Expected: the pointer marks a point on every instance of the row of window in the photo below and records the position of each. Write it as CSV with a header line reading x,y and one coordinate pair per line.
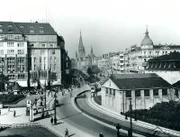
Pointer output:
x,y
11,44
20,76
110,91
33,31
11,52
43,45
146,93
40,59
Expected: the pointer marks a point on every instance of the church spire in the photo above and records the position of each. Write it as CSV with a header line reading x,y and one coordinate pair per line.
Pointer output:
x,y
91,50
80,42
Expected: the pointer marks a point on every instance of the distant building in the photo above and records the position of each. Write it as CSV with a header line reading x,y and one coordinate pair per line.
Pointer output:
x,y
34,45
166,66
137,56
111,63
83,60
145,90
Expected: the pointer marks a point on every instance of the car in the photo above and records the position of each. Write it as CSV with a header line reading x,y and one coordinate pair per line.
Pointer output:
x,y
93,90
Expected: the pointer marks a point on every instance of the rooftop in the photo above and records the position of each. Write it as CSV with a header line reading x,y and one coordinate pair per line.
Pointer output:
x,y
139,81
168,57
27,28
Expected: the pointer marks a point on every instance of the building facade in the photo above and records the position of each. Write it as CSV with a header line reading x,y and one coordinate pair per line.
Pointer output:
x,y
145,90
13,51
137,56
34,45
166,66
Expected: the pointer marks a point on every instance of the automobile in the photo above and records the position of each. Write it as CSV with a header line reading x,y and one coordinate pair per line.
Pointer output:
x,y
93,90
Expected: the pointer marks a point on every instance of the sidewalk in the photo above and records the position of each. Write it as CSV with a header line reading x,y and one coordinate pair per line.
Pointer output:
x,y
7,117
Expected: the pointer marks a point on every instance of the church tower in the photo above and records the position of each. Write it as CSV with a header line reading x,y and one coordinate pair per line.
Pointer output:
x,y
81,49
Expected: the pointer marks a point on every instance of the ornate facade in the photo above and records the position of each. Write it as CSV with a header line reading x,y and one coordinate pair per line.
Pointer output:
x,y
137,56
30,47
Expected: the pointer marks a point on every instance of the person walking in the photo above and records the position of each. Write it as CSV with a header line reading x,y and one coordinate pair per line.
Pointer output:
x,y
51,120
66,133
0,112
14,113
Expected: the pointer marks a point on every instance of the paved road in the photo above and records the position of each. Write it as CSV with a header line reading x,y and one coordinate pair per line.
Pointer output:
x,y
70,114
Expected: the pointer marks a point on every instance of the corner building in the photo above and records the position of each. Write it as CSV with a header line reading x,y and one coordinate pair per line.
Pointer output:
x,y
34,44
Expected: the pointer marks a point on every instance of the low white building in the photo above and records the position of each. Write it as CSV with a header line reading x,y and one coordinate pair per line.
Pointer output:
x,y
145,90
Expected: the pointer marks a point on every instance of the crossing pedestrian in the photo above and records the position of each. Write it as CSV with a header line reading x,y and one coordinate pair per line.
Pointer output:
x,y
51,120
66,133
14,113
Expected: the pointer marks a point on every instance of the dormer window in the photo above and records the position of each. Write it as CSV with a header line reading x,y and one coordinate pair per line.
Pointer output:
x,y
1,30
10,30
1,25
41,31
21,26
31,31
41,27
31,26
10,26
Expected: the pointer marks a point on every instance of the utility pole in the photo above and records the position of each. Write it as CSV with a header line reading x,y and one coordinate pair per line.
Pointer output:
x,y
45,94
118,127
130,109
55,119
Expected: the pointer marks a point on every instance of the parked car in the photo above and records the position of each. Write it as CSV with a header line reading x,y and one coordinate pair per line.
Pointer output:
x,y
93,90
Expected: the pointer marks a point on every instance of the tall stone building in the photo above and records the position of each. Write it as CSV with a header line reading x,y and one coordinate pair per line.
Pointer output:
x,y
34,45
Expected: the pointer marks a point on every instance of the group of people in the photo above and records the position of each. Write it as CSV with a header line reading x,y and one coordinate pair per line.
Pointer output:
x,y
14,112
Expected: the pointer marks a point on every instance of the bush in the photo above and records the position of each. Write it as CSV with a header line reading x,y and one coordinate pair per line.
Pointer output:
x,y
10,99
166,114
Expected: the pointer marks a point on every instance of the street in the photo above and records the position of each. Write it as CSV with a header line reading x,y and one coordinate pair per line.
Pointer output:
x,y
71,115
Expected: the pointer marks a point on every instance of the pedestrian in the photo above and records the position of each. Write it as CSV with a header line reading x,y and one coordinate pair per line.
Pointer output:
x,y
0,112
101,135
66,133
14,113
51,120
9,109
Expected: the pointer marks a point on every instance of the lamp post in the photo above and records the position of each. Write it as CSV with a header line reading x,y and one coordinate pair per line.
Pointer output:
x,y
130,109
118,127
45,94
55,119
2,79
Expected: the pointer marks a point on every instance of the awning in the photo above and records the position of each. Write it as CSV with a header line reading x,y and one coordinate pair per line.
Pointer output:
x,y
16,87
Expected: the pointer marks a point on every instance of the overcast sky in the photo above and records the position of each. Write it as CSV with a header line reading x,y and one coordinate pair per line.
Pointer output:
x,y
107,25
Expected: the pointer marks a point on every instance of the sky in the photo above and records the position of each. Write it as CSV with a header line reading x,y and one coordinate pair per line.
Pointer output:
x,y
106,25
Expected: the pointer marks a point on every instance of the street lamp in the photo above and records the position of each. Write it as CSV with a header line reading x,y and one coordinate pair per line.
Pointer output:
x,y
130,109
118,127
2,64
45,94
55,119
